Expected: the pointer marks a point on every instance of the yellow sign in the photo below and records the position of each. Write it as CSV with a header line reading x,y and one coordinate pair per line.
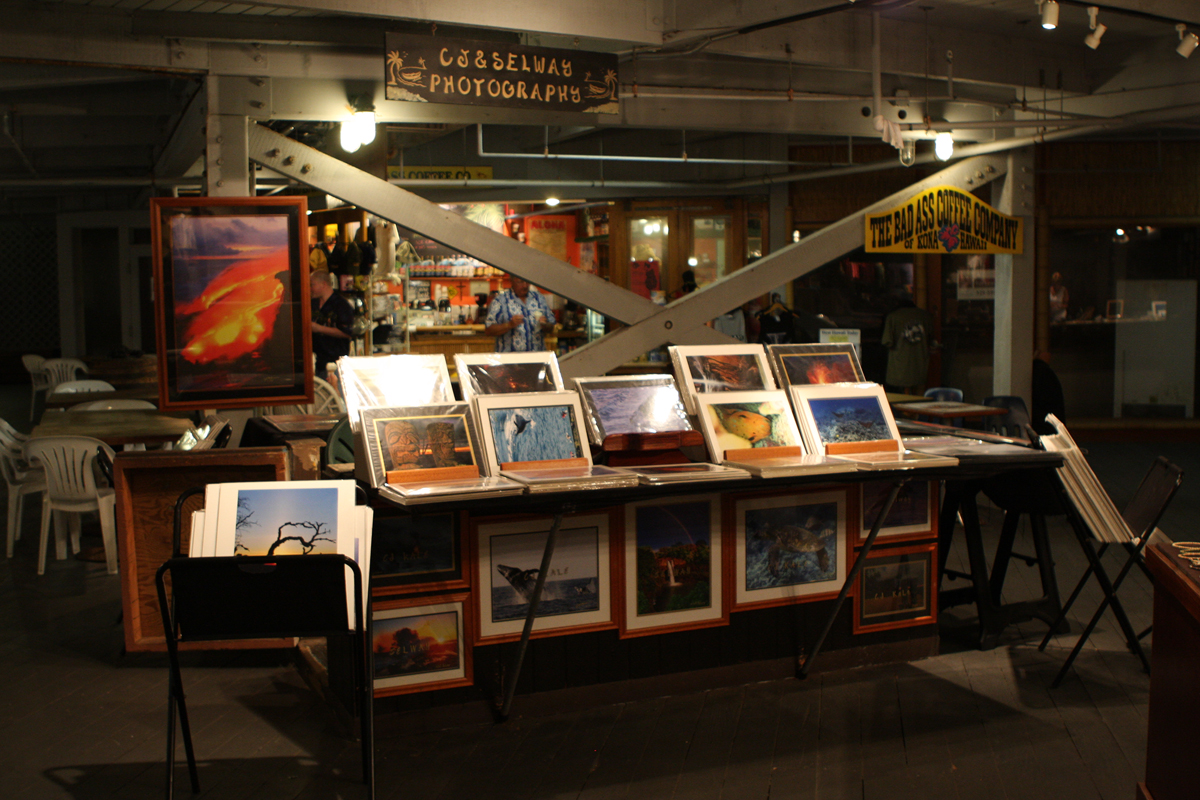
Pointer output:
x,y
944,220
441,173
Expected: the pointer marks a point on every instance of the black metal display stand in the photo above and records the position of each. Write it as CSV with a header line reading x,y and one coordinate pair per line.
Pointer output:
x,y
259,597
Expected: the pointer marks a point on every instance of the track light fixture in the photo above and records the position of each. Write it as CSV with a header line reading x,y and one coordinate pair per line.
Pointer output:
x,y
1092,40
1187,41
1049,14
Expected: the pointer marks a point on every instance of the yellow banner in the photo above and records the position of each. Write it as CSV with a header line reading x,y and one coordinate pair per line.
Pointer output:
x,y
944,220
441,173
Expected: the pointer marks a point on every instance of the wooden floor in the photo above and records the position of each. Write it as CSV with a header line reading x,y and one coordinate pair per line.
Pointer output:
x,y
78,719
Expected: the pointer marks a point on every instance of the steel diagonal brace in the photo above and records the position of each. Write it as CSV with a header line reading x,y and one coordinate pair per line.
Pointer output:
x,y
302,163
778,268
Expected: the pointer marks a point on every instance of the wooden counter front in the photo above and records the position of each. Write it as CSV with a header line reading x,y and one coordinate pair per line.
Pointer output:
x,y
448,343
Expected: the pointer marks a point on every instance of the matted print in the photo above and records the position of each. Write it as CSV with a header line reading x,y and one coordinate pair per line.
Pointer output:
x,y
841,413
672,566
744,420
231,301
895,589
392,381
720,368
631,404
913,514
417,438
789,547
530,427
507,373
577,594
804,364
289,518
418,553
421,644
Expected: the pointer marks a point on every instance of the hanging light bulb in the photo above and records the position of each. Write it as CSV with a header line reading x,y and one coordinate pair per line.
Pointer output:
x,y
364,123
908,152
349,137
943,146
1049,14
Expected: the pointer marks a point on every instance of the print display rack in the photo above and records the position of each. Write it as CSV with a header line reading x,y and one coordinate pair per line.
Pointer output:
x,y
255,597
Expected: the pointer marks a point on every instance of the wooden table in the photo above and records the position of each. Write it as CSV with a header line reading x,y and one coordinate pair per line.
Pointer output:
x,y
947,409
147,391
115,428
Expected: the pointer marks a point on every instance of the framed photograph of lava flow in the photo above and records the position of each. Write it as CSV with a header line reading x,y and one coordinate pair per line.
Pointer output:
x,y
421,644
231,301
789,547
895,589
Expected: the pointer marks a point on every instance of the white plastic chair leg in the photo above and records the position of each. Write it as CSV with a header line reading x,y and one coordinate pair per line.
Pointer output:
x,y
108,529
60,534
43,540
14,499
74,525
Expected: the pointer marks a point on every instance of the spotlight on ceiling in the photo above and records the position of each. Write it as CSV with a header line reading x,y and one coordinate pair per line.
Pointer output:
x,y
1187,41
943,146
1049,14
1092,40
551,201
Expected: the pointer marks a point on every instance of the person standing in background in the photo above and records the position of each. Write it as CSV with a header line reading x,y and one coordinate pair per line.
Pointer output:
x,y
332,318
906,334
519,318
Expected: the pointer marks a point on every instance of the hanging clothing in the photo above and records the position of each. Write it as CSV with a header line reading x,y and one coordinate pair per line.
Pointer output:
x,y
906,334
732,323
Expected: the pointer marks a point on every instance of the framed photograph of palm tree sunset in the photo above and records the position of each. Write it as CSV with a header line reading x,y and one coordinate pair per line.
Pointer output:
x,y
421,643
231,301
671,566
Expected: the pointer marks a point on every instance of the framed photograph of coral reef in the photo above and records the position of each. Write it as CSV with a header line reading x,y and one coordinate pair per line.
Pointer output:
x,y
421,643
671,566
231,301
789,547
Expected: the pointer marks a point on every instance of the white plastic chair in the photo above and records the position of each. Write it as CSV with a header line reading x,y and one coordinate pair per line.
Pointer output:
x,y
61,370
112,405
71,488
21,481
326,400
84,386
39,379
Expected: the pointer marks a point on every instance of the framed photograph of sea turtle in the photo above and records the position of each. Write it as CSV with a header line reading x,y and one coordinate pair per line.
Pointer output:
x,y
231,301
415,552
701,369
804,364
895,588
789,547
577,589
745,420
671,566
619,404
843,412
507,373
421,643
522,428
416,438
913,514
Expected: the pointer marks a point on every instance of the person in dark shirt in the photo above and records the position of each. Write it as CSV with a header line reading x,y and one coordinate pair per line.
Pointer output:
x,y
332,318
1046,393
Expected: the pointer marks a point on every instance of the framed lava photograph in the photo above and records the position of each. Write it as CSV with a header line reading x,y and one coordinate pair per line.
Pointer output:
x,y
577,593
803,364
418,553
913,514
895,588
420,644
231,301
671,566
789,547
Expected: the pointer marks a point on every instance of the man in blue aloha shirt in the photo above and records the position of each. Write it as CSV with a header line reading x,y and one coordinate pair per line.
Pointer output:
x,y
519,318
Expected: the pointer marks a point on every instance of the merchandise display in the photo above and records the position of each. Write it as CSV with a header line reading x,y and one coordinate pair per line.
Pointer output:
x,y
631,404
738,421
703,369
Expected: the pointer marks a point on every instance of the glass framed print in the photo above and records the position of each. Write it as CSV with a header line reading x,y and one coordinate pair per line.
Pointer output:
x,y
617,404
804,364
507,373
231,306
417,438
422,643
418,553
745,420
701,369
913,514
518,428
895,588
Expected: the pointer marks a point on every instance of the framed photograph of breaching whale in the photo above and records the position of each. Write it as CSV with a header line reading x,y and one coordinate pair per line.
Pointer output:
x,y
577,592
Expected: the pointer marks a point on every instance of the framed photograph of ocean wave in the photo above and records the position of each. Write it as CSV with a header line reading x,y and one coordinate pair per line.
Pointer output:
x,y
895,588
744,420
231,306
671,566
522,428
701,369
420,644
913,514
577,593
843,412
507,373
789,547
617,404
804,364
417,438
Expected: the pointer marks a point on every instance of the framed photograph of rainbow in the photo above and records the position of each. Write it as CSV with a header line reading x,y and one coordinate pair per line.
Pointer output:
x,y
421,643
231,303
